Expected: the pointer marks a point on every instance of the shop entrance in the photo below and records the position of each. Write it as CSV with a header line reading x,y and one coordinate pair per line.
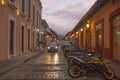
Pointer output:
x,y
116,37
88,40
99,37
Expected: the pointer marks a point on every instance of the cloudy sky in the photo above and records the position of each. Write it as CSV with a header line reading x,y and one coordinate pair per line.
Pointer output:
x,y
63,15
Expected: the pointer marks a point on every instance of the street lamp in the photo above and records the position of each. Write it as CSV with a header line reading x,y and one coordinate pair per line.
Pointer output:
x,y
72,34
87,25
3,2
76,32
18,12
81,29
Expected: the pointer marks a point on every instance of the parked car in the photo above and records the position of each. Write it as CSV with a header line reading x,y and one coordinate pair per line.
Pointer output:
x,y
65,45
52,47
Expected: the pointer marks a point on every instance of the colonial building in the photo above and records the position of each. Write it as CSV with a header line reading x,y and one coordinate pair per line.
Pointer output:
x,y
19,21
100,26
47,34
44,28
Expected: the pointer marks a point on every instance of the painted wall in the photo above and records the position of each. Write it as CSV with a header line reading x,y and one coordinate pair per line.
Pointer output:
x,y
7,10
104,15
110,7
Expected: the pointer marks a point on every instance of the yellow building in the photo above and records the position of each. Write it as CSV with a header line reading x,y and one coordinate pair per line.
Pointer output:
x,y
19,20
101,26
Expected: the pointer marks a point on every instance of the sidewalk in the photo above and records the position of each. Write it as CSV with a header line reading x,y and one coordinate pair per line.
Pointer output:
x,y
116,67
8,65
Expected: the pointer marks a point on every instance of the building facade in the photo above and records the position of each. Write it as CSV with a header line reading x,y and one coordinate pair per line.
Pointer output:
x,y
100,26
19,22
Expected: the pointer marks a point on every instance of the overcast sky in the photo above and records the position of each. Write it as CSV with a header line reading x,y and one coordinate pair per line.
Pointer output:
x,y
63,15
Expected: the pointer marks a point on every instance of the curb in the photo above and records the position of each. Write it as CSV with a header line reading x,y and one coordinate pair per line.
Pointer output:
x,y
3,72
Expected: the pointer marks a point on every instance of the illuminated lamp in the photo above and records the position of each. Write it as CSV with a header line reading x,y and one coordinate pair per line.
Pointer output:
x,y
18,12
3,2
81,29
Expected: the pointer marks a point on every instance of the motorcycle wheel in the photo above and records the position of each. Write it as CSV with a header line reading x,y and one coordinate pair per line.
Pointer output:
x,y
74,71
109,74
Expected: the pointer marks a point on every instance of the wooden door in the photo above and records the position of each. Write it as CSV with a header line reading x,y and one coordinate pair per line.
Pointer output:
x,y
98,39
11,37
82,39
88,40
33,39
28,39
22,39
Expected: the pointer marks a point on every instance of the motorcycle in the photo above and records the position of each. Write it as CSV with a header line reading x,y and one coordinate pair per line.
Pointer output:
x,y
90,64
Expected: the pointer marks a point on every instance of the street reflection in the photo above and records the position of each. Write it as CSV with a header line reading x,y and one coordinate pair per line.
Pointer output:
x,y
56,58
47,66
48,59
52,58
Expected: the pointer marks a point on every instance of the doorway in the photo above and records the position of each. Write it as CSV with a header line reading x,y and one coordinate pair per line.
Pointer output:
x,y
28,39
99,36
99,42
116,37
22,40
88,40
81,39
33,39
12,26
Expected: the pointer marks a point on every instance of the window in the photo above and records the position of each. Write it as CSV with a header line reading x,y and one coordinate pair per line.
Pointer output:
x,y
33,12
29,4
116,37
13,3
23,6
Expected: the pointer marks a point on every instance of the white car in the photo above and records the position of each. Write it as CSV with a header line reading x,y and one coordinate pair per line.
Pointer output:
x,y
52,47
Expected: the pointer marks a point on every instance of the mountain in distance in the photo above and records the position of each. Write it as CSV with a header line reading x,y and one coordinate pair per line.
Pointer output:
x,y
60,37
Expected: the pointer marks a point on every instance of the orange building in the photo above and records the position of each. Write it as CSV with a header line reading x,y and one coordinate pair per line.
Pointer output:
x,y
19,20
101,26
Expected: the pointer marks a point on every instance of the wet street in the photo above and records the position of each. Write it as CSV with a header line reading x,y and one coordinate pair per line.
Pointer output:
x,y
46,66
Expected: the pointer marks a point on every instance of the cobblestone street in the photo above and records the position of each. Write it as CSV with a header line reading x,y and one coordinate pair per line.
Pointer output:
x,y
47,66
